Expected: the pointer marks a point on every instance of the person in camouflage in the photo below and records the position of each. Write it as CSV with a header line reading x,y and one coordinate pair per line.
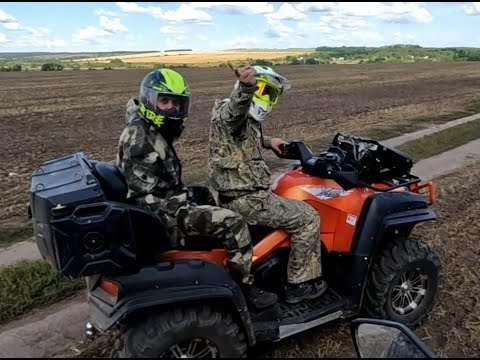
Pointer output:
x,y
241,176
147,158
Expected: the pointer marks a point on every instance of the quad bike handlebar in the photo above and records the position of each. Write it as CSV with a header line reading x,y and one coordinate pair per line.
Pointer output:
x,y
354,161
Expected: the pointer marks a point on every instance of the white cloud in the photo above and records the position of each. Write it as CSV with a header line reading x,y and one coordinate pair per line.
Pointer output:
x,y
11,25
185,13
311,27
400,12
26,36
112,25
287,12
275,29
390,12
473,9
5,18
99,12
189,14
93,34
315,7
130,7
343,22
89,34
236,8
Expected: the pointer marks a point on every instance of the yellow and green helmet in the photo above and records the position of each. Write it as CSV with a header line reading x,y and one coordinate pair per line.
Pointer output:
x,y
270,86
170,83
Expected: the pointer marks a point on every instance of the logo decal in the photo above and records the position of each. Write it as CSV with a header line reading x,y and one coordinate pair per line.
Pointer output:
x,y
324,193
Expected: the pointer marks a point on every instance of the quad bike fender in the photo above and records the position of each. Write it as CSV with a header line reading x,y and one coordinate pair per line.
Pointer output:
x,y
386,216
166,284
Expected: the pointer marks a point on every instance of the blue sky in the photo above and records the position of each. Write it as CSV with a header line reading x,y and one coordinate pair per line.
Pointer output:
x,y
108,26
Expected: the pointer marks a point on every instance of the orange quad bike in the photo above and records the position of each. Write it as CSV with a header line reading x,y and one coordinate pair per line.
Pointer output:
x,y
182,302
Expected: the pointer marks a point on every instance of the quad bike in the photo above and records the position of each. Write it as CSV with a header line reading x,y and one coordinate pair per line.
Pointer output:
x,y
182,302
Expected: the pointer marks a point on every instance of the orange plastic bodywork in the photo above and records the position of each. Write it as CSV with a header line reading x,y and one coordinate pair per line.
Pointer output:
x,y
339,212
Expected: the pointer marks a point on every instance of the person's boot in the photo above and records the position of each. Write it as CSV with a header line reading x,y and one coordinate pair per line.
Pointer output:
x,y
295,293
257,298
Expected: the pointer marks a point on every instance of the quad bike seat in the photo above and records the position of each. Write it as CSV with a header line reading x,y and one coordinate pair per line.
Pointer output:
x,y
111,180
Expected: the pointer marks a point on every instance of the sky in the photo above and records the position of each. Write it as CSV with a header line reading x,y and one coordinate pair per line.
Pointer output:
x,y
155,26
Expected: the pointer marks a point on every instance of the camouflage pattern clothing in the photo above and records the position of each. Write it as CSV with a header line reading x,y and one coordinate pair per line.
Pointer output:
x,y
237,170
153,174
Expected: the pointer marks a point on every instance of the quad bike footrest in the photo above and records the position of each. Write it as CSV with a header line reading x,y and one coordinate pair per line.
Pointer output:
x,y
294,318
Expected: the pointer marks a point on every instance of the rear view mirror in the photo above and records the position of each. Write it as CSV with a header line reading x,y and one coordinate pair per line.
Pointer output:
x,y
387,339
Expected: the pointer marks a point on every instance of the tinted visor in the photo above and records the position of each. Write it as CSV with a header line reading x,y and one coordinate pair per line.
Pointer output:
x,y
266,89
173,106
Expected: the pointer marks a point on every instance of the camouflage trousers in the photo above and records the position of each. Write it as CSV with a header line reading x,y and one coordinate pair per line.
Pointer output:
x,y
297,218
202,218
213,221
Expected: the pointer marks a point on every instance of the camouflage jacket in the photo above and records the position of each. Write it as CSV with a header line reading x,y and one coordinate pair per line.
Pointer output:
x,y
150,165
236,164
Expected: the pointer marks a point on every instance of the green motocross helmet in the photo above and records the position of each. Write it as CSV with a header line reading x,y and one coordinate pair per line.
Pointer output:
x,y
270,86
169,83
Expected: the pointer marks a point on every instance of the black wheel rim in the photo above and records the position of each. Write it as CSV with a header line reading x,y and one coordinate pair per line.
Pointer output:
x,y
409,291
194,348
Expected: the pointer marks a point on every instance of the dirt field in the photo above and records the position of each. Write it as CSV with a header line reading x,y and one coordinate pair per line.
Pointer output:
x,y
44,115
197,57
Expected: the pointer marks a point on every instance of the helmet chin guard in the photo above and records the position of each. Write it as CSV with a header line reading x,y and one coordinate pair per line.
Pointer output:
x,y
270,86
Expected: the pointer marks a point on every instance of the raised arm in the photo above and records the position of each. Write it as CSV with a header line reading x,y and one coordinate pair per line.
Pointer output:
x,y
233,111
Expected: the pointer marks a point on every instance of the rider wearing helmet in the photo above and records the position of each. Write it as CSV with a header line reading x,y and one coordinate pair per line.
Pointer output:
x,y
241,176
147,158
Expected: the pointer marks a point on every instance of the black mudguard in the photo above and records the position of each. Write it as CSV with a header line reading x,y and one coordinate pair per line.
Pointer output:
x,y
383,212
167,283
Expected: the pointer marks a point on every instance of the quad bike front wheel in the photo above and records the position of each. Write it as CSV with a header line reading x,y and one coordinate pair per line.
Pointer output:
x,y
197,332
404,282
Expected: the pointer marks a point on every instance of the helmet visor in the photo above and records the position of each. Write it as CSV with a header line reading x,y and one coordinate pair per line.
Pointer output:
x,y
172,106
267,89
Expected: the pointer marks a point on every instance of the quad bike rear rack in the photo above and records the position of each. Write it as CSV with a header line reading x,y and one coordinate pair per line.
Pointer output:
x,y
425,189
402,182
412,183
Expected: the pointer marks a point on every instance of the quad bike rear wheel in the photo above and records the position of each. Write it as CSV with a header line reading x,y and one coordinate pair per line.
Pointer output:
x,y
183,333
404,282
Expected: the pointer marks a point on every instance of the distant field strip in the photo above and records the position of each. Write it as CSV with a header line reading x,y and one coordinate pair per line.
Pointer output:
x,y
197,57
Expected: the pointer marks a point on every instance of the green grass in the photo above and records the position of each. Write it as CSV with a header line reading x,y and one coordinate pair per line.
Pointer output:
x,y
418,123
14,233
442,141
29,284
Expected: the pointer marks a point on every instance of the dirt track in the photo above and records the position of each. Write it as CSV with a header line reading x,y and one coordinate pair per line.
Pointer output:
x,y
49,114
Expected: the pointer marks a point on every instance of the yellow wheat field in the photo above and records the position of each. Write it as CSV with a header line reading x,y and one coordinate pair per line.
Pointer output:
x,y
199,57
